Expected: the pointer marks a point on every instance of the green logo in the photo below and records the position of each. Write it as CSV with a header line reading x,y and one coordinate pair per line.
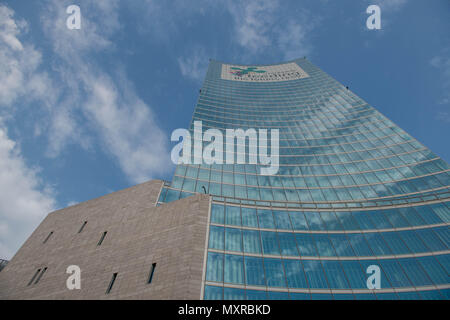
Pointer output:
x,y
240,72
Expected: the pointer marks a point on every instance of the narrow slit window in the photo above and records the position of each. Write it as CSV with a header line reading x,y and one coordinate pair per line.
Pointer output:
x,y
34,277
48,237
111,283
152,271
82,227
40,276
102,238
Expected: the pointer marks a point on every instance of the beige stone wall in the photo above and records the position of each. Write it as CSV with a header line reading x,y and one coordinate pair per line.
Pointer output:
x,y
139,234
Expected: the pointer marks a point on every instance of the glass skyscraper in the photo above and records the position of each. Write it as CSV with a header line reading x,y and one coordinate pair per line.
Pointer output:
x,y
353,190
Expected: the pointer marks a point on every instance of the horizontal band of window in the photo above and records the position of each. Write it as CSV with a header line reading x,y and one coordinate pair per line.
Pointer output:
x,y
321,188
355,151
290,116
324,84
262,117
375,117
316,146
338,163
392,126
253,89
352,205
332,258
308,175
313,205
360,231
342,205
278,109
350,209
329,130
334,291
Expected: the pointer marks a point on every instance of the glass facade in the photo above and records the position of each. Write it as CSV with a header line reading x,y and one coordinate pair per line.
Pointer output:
x,y
353,190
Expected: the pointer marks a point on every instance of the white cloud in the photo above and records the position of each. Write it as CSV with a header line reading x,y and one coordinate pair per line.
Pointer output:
x,y
19,68
126,125
194,64
442,63
78,94
264,26
24,200
253,22
390,5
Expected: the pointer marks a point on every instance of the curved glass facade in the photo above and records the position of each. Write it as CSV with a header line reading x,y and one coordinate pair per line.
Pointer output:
x,y
353,190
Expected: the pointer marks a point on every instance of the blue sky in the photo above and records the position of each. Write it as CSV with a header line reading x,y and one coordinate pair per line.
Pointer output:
x,y
87,112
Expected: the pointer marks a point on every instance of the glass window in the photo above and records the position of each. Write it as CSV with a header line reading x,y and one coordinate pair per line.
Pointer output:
x,y
282,220
428,215
394,273
274,273
294,273
217,214
412,216
172,195
444,234
396,244
214,267
234,269
314,221
343,296
256,295
442,211
314,274
213,293
359,244
341,245
233,241
414,272
355,275
252,242
331,221
430,239
321,296
411,295
395,218
270,242
347,220
216,238
414,242
233,294
323,245
254,271
288,245
275,295
380,220
430,295
300,296
444,261
249,218
233,215
377,244
387,296
434,270
335,274
298,220
305,244
265,218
